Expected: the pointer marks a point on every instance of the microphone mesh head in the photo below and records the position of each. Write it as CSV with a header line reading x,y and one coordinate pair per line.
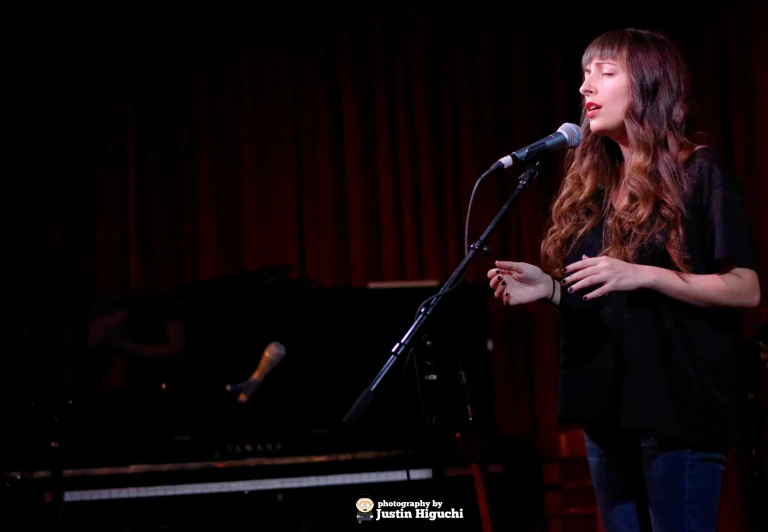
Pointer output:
x,y
572,134
275,350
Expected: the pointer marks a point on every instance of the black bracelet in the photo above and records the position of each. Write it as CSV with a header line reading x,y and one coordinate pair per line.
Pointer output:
x,y
553,289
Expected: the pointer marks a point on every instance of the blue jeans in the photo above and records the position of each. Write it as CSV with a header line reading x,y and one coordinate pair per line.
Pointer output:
x,y
645,484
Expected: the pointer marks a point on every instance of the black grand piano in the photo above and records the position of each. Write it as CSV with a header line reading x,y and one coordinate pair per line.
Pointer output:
x,y
124,431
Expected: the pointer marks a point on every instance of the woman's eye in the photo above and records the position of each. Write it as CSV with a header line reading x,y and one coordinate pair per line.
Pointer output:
x,y
607,73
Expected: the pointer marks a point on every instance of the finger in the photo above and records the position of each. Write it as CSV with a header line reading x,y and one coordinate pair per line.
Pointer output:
x,y
600,292
580,265
589,281
511,266
500,291
495,272
579,275
499,281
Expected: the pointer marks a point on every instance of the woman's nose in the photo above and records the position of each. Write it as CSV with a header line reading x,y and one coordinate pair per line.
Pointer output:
x,y
586,88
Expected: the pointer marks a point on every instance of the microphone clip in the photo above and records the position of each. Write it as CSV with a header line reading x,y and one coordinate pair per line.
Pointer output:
x,y
530,173
482,248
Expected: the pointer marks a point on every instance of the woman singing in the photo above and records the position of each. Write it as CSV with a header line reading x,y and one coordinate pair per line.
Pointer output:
x,y
647,255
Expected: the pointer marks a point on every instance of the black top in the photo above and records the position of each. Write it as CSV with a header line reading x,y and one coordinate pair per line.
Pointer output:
x,y
643,360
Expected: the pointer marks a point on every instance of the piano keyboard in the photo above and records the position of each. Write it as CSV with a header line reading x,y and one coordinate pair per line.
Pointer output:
x,y
248,485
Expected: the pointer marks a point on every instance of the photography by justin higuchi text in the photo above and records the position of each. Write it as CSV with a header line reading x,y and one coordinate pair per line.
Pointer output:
x,y
431,510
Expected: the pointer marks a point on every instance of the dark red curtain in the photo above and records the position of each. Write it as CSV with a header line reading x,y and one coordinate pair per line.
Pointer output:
x,y
177,144
343,138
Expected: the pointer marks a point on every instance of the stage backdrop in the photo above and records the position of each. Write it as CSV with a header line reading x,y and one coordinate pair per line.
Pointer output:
x,y
171,145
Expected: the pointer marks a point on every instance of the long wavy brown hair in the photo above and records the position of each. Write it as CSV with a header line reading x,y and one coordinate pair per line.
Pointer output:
x,y
653,177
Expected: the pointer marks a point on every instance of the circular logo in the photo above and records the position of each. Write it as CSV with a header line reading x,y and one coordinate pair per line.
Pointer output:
x,y
364,504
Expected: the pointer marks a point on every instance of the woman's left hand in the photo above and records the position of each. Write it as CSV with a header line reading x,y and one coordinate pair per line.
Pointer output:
x,y
613,274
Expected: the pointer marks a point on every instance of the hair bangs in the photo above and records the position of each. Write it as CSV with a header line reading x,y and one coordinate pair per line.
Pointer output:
x,y
611,46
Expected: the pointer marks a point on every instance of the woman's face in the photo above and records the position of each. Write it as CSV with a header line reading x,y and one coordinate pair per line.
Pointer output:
x,y
607,93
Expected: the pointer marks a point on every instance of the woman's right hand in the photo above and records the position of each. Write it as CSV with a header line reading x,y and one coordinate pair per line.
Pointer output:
x,y
517,283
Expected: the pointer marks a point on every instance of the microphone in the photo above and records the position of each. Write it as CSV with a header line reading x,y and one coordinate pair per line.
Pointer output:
x,y
567,136
271,357
273,354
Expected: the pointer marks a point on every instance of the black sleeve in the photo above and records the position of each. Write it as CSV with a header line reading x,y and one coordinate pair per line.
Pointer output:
x,y
727,225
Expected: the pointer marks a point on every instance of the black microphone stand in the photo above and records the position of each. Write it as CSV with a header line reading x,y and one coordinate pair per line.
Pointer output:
x,y
530,173
436,424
